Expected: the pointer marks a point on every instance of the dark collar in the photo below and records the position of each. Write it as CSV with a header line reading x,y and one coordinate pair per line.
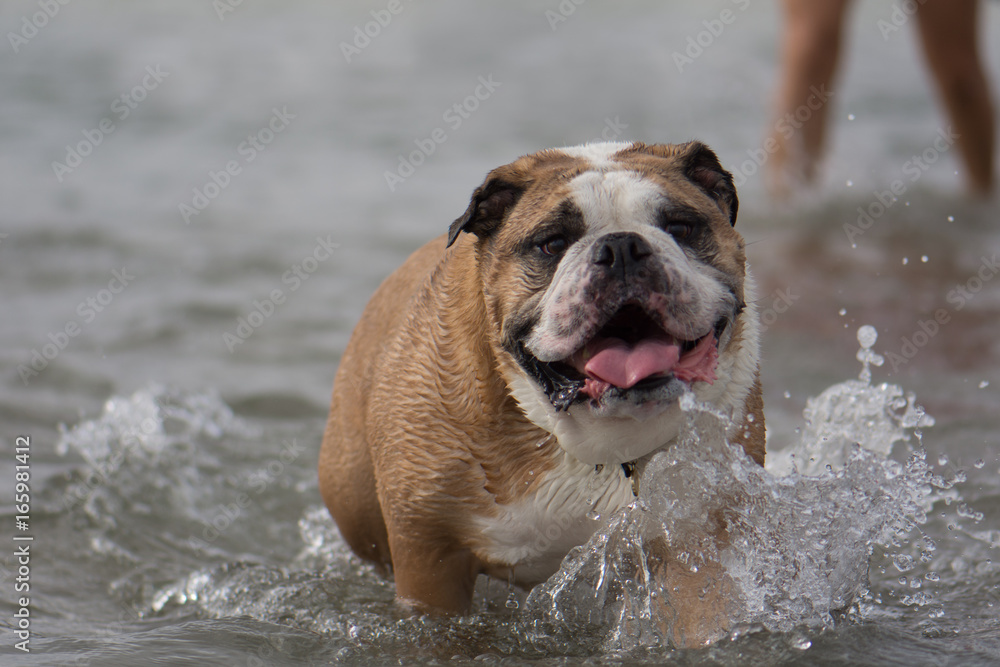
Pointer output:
x,y
629,470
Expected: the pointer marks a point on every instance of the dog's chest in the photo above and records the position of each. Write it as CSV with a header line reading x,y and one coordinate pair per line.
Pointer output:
x,y
562,511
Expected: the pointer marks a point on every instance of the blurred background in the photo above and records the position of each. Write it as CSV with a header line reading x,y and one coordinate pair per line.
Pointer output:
x,y
201,196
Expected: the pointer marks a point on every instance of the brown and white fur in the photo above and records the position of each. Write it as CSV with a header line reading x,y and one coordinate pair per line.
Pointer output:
x,y
459,441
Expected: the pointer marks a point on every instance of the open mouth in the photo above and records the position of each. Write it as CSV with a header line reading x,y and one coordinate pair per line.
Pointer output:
x,y
630,354
631,351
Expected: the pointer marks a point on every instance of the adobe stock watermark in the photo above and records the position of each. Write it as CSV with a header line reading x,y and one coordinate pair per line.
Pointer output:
x,y
612,130
99,473
257,484
551,534
255,144
267,654
87,310
364,34
128,619
698,43
902,12
122,106
30,26
223,7
293,278
566,8
454,116
958,297
774,306
913,169
786,126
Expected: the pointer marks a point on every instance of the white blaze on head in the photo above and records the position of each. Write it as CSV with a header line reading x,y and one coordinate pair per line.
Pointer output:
x,y
616,201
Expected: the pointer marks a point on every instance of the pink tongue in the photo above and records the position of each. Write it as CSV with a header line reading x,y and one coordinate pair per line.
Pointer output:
x,y
614,362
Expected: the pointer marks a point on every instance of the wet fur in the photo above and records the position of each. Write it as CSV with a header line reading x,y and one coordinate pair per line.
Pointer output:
x,y
437,453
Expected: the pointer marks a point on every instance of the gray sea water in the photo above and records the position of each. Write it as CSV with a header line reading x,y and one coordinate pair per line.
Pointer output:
x,y
195,209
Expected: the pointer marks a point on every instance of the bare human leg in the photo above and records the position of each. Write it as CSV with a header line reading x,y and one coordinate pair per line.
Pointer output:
x,y
948,35
810,53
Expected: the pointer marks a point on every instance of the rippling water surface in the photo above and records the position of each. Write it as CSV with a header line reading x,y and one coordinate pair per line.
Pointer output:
x,y
175,507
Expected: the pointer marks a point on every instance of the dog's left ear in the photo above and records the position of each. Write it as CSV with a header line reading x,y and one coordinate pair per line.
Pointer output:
x,y
489,206
701,165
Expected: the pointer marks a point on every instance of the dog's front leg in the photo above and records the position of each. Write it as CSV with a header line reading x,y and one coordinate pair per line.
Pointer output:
x,y
695,599
693,607
433,580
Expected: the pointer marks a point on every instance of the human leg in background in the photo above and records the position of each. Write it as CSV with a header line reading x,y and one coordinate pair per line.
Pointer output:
x,y
809,53
948,34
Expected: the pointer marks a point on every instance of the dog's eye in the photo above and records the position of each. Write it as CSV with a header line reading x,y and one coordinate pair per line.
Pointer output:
x,y
554,246
680,230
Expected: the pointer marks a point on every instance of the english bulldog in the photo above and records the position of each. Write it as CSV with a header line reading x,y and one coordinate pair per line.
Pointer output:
x,y
505,385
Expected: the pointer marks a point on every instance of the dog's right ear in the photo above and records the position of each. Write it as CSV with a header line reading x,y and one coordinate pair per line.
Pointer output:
x,y
489,206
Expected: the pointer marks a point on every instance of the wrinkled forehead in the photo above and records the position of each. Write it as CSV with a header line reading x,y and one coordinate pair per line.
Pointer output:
x,y
614,187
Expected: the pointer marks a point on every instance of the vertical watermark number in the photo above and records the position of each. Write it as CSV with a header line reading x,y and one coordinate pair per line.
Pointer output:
x,y
22,548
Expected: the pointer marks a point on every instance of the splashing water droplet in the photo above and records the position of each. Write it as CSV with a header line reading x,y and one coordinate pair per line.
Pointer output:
x,y
943,460
800,642
850,116
967,512
788,394
924,259
842,311
978,465
906,260
903,563
951,218
984,384
867,335
850,183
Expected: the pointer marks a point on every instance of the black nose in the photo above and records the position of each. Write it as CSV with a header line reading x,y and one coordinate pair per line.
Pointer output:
x,y
622,253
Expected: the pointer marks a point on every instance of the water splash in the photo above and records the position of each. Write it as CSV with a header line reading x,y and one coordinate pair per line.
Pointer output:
x,y
800,533
803,534
148,424
852,413
145,450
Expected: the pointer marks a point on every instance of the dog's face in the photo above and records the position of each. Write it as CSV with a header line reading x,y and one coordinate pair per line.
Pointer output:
x,y
614,281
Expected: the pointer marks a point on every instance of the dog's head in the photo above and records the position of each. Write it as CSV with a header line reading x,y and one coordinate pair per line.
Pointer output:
x,y
614,281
